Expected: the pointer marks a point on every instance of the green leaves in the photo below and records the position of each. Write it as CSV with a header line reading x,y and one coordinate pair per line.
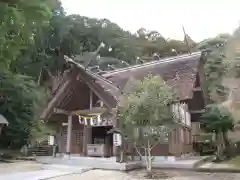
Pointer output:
x,y
145,104
20,97
215,68
217,118
20,100
19,21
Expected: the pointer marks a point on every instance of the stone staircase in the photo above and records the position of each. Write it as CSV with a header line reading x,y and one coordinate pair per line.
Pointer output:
x,y
42,149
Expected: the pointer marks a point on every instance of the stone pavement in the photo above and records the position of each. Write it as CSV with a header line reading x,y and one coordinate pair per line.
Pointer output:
x,y
218,167
111,164
34,171
34,175
174,175
9,168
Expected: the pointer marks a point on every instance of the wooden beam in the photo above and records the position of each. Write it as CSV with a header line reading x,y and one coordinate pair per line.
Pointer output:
x,y
95,110
197,89
197,111
93,75
88,77
61,111
54,100
108,99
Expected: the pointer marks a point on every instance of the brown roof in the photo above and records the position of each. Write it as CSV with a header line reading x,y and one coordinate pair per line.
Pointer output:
x,y
179,72
64,92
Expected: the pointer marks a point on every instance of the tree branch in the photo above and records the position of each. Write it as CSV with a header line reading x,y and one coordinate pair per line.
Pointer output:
x,y
153,146
139,153
40,76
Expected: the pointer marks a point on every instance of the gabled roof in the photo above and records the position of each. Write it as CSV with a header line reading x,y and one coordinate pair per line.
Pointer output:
x,y
78,71
179,72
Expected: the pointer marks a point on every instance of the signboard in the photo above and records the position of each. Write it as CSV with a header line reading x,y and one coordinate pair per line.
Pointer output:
x,y
117,139
51,140
64,124
161,132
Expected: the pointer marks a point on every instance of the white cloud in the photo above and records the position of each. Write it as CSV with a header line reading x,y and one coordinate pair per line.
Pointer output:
x,y
201,19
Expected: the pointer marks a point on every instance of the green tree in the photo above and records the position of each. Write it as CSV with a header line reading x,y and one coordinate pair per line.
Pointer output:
x,y
20,101
218,120
145,115
19,21
20,95
215,66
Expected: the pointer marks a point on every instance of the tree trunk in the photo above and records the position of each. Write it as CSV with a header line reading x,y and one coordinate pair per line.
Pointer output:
x,y
220,146
149,160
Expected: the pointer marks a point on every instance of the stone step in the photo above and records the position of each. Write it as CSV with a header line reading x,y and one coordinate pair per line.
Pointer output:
x,y
44,150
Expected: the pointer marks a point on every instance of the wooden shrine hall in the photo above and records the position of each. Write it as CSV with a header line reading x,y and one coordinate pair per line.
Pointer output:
x,y
83,108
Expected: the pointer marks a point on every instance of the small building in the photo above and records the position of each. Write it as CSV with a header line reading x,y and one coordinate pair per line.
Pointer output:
x,y
84,105
3,122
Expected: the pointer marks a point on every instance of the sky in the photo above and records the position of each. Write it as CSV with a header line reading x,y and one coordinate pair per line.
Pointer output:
x,y
201,18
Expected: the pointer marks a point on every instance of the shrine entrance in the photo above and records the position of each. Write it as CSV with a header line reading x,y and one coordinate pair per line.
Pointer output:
x,y
86,133
102,142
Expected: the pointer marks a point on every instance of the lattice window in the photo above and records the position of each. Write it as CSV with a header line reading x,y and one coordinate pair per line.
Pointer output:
x,y
182,134
79,137
190,136
64,134
174,135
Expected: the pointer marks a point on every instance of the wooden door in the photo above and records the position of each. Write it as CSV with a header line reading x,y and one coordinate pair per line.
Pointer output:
x,y
76,141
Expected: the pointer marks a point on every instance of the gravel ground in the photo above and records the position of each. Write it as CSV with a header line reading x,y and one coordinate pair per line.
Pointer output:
x,y
138,175
8,168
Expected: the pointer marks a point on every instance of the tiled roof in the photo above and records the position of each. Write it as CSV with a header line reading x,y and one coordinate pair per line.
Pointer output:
x,y
179,72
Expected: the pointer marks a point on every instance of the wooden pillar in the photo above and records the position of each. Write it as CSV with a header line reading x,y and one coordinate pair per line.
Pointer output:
x,y
89,130
101,103
69,135
91,99
114,148
185,113
85,135
117,149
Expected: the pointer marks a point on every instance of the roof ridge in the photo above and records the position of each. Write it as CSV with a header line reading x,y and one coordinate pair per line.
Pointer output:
x,y
90,72
170,59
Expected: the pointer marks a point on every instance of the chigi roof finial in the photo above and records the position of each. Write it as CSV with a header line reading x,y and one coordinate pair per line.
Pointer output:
x,y
186,40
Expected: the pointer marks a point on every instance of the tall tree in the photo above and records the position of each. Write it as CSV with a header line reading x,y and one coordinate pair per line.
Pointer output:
x,y
20,101
19,22
215,67
217,119
20,95
145,115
